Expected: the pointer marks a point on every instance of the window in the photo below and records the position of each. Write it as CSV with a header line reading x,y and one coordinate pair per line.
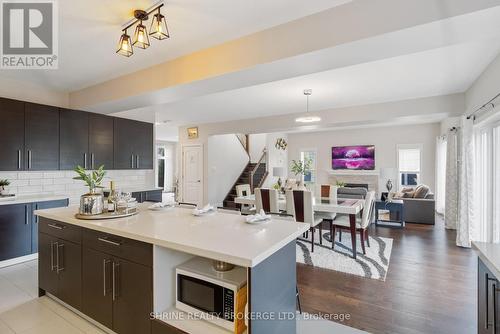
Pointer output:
x,y
160,176
409,165
487,183
309,155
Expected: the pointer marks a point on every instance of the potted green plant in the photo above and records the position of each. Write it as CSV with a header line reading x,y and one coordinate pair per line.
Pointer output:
x,y
4,183
300,168
91,203
340,184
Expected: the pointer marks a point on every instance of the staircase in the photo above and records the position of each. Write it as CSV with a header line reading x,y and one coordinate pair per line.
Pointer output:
x,y
253,174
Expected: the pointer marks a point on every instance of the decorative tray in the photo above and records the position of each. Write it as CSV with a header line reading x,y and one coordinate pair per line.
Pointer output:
x,y
107,215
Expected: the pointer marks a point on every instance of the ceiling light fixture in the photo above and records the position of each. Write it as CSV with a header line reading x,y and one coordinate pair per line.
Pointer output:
x,y
159,30
125,45
308,118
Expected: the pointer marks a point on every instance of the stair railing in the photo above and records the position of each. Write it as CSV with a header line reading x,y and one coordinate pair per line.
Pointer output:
x,y
251,177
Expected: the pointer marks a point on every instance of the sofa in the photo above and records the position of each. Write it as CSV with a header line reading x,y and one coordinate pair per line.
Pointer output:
x,y
419,205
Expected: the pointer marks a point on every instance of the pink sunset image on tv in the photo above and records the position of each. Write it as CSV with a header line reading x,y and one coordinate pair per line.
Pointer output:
x,y
353,157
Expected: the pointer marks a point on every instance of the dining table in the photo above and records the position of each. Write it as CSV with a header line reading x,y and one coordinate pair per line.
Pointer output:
x,y
347,206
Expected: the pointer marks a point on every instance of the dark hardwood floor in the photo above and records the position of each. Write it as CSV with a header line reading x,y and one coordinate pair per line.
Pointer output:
x,y
430,286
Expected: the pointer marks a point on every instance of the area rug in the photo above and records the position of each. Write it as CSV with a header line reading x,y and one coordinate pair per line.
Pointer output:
x,y
374,264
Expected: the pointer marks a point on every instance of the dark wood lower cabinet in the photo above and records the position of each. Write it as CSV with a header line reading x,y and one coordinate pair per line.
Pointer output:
x,y
148,196
133,301
116,292
15,230
60,269
35,219
97,298
488,306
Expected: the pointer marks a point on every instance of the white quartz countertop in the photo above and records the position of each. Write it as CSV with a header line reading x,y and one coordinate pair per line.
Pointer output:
x,y
220,236
489,253
31,199
134,189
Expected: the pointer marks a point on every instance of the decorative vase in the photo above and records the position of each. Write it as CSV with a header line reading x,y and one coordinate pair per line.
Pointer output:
x,y
3,191
300,185
91,203
388,185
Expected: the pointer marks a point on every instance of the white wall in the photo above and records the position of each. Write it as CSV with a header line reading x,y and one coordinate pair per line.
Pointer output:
x,y
30,92
275,157
385,140
226,160
257,143
485,87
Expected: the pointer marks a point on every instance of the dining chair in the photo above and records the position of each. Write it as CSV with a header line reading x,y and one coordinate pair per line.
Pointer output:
x,y
328,190
243,190
231,211
362,223
266,199
299,203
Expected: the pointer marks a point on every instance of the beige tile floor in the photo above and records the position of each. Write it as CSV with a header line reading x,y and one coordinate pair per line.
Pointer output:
x,y
21,311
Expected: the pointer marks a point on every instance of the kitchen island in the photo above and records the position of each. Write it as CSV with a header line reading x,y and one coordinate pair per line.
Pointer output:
x,y
121,272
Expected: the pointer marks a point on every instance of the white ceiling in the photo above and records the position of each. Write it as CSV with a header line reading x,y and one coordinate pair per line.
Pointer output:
x,y
436,72
90,29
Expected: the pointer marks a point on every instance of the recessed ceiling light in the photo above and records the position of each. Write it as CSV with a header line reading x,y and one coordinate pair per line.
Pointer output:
x,y
308,118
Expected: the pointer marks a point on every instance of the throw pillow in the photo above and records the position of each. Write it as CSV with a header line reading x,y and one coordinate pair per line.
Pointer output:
x,y
408,194
421,191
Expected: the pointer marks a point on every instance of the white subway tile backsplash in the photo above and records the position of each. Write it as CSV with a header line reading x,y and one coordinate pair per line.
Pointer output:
x,y
61,182
30,175
8,175
35,182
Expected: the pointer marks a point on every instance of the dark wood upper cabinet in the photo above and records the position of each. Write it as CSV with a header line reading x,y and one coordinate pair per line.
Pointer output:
x,y
101,141
133,144
41,137
143,148
74,136
125,136
12,138
15,231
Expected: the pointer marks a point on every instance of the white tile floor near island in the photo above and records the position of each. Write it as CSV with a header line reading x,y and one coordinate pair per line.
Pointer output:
x,y
21,311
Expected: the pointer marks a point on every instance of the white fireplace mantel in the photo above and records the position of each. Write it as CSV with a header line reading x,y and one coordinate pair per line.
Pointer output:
x,y
353,172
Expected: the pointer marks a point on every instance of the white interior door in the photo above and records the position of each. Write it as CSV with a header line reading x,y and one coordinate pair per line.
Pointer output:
x,y
192,164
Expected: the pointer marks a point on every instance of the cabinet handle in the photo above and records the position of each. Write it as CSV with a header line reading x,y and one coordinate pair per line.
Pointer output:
x,y
18,159
29,159
104,263
57,227
132,161
85,160
114,290
52,266
494,286
27,215
59,269
92,160
111,242
137,161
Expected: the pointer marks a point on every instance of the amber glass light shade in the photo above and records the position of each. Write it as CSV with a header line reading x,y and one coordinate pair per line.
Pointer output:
x,y
125,45
159,29
141,38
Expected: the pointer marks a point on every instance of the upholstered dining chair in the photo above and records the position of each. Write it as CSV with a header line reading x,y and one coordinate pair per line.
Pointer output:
x,y
362,224
266,199
243,190
299,203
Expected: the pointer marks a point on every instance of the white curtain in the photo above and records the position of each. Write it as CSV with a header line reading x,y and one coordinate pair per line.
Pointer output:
x,y
451,188
465,223
440,173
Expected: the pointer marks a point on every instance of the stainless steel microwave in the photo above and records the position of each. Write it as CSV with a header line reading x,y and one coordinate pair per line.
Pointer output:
x,y
209,294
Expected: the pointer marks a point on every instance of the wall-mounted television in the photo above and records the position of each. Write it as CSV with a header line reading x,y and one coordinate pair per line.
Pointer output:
x,y
360,157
